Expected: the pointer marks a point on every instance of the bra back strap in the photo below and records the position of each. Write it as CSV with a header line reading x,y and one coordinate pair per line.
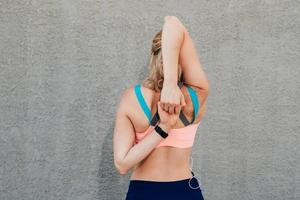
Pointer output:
x,y
194,101
194,98
142,102
154,119
183,118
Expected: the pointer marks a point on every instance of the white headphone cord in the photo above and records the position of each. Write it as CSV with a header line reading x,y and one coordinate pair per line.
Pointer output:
x,y
191,168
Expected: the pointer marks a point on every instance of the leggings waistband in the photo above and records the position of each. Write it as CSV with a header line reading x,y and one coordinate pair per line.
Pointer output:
x,y
140,185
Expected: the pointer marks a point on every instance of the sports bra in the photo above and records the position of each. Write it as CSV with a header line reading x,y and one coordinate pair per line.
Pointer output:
x,y
180,137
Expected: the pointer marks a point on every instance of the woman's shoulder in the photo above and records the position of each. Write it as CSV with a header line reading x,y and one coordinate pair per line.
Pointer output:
x,y
126,97
128,93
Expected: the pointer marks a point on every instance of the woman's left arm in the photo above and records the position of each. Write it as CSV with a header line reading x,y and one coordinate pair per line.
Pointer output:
x,y
126,153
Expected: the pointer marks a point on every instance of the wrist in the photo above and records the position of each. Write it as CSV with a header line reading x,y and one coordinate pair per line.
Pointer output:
x,y
170,81
162,131
165,127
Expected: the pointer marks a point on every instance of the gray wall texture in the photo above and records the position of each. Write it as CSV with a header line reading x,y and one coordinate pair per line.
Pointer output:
x,y
64,64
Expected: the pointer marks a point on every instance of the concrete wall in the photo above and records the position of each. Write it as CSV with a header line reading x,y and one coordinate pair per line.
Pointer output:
x,y
64,63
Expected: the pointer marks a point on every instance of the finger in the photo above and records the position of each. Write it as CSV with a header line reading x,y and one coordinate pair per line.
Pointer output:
x,y
171,109
177,109
167,105
162,106
160,109
182,101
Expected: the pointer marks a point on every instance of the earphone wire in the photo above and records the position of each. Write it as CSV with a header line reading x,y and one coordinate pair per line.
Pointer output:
x,y
191,168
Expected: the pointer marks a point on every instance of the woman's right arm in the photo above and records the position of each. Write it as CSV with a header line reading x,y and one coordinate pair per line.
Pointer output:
x,y
193,73
178,46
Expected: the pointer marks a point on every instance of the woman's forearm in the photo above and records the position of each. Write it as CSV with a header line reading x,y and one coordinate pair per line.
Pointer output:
x,y
172,39
141,150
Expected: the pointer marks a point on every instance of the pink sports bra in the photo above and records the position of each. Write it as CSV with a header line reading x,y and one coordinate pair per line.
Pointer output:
x,y
180,137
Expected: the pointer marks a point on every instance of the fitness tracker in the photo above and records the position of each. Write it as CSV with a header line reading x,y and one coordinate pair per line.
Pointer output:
x,y
160,131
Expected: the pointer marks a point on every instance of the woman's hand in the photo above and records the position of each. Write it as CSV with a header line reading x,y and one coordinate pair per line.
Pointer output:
x,y
167,119
171,96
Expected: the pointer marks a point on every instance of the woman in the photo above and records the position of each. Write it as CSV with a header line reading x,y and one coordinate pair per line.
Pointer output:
x,y
157,120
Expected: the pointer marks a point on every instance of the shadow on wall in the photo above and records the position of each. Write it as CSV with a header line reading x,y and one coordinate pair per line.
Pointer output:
x,y
112,184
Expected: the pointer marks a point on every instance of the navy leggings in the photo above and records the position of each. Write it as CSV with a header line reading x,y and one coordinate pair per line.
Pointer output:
x,y
155,190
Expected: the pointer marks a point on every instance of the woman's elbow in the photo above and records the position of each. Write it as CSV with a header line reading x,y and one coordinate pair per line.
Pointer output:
x,y
207,90
119,165
122,171
205,87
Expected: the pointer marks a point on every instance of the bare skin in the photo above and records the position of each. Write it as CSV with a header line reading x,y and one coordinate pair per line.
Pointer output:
x,y
172,40
164,163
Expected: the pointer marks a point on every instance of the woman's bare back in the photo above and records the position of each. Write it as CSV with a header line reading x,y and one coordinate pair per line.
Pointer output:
x,y
164,163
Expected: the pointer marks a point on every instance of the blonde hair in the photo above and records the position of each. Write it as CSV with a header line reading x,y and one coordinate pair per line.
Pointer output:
x,y
155,78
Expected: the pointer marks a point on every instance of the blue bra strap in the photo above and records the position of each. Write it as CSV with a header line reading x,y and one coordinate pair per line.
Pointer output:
x,y
138,92
194,100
